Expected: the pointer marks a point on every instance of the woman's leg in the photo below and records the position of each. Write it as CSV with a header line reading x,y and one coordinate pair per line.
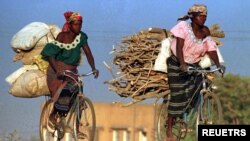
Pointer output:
x,y
170,123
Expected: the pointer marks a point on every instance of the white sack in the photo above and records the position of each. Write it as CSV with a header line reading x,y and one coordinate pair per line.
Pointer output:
x,y
55,30
206,62
13,77
30,84
165,52
28,36
28,56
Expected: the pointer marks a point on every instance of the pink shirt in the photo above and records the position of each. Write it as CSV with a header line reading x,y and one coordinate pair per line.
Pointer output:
x,y
193,48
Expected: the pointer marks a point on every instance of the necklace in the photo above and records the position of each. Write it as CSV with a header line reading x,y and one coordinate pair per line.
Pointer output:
x,y
193,37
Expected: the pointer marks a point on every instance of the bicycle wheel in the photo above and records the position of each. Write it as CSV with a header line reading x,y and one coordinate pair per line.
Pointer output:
x,y
161,122
179,128
45,134
211,112
85,122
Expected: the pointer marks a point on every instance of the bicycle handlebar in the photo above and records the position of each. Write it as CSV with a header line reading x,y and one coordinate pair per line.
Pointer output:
x,y
79,75
200,70
67,72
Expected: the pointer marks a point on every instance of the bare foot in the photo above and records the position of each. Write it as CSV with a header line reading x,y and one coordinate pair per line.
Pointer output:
x,y
170,139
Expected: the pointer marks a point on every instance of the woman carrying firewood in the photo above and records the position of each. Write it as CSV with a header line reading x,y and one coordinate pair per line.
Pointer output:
x,y
64,54
191,40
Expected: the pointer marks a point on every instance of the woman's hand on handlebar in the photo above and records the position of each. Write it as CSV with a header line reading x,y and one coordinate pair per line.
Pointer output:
x,y
222,69
95,73
184,67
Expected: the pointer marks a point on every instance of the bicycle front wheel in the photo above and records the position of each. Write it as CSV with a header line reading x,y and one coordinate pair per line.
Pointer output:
x,y
85,121
211,110
45,134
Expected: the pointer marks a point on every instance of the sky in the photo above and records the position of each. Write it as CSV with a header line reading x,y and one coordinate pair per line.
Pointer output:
x,y
106,22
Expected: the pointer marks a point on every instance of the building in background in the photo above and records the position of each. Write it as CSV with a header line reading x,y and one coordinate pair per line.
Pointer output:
x,y
132,123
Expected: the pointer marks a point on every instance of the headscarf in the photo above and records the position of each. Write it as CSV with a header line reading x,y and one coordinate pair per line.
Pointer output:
x,y
196,8
70,16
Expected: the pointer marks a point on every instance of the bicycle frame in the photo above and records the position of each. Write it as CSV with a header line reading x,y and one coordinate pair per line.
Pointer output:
x,y
205,87
80,84
82,107
75,108
180,127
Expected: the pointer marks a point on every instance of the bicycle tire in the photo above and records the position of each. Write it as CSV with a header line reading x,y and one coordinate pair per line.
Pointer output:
x,y
87,120
211,112
161,122
179,128
45,134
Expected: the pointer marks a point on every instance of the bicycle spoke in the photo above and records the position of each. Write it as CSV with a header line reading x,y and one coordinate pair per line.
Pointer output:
x,y
212,110
85,121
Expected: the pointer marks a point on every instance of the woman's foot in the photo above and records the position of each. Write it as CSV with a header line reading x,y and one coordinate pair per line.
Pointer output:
x,y
170,123
81,135
52,122
170,139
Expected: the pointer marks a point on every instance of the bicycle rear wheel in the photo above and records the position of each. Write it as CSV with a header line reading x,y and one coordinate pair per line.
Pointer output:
x,y
179,128
45,134
211,112
85,122
161,122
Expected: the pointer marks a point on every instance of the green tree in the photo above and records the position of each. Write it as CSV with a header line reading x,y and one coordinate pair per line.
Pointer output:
x,y
234,92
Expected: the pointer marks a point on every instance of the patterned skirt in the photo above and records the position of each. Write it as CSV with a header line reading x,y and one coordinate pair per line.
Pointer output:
x,y
184,88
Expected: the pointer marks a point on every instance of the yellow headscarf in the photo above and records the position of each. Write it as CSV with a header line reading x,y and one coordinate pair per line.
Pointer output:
x,y
196,8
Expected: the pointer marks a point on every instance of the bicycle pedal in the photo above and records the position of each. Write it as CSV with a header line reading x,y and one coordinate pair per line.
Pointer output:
x,y
209,122
187,130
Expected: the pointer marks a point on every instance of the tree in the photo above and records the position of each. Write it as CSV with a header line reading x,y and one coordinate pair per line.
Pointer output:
x,y
234,92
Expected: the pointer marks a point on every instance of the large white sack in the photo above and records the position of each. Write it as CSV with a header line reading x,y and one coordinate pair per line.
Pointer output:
x,y
28,36
206,62
54,30
13,77
28,56
165,52
30,84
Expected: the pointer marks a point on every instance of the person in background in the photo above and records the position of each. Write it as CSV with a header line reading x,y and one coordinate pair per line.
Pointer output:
x,y
65,54
191,40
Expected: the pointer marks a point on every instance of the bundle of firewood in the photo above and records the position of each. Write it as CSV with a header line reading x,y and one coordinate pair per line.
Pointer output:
x,y
134,58
133,61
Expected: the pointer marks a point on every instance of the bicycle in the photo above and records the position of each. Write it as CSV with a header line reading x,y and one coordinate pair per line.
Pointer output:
x,y
207,109
79,119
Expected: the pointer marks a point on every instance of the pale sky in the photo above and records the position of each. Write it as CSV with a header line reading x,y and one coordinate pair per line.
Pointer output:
x,y
105,22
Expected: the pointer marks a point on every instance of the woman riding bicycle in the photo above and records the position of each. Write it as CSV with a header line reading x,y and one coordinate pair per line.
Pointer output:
x,y
191,41
64,54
